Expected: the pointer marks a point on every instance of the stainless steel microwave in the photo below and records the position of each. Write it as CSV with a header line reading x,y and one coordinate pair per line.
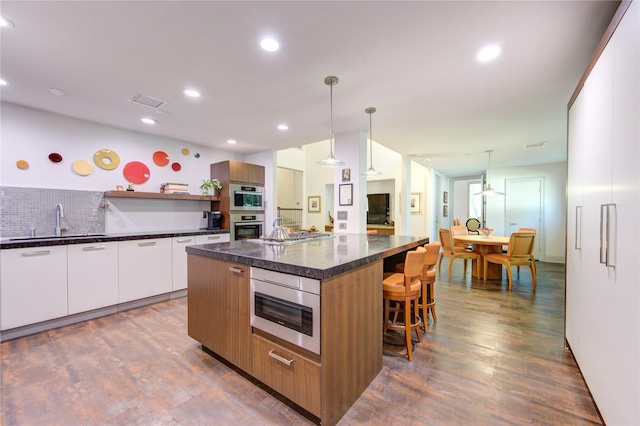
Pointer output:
x,y
246,197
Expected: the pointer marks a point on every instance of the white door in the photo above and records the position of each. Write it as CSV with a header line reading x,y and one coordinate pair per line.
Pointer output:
x,y
524,208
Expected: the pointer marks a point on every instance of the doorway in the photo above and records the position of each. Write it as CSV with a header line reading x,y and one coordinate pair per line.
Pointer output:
x,y
524,208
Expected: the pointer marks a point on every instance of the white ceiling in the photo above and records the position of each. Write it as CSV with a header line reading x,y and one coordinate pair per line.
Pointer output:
x,y
414,61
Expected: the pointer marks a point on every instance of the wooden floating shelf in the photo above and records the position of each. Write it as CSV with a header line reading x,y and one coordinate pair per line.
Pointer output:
x,y
160,196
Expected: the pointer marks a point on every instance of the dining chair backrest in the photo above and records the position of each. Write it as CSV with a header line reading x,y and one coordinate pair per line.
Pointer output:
x,y
445,239
521,244
459,230
527,230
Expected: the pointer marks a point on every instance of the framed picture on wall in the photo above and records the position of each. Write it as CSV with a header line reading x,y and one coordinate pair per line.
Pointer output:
x,y
416,203
445,197
346,175
346,194
313,204
445,211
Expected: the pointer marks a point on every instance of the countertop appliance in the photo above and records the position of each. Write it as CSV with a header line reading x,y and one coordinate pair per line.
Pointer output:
x,y
246,226
214,220
246,197
286,306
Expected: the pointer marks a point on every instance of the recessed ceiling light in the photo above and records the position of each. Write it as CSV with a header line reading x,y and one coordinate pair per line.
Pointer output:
x,y
192,93
269,44
489,53
56,92
5,23
147,120
3,83
231,141
283,127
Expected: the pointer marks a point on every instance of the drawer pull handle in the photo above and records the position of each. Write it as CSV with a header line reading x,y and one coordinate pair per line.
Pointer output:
x,y
94,248
36,253
185,240
236,270
275,356
214,237
147,244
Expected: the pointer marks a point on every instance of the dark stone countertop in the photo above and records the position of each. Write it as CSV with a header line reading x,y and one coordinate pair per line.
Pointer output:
x,y
318,258
45,241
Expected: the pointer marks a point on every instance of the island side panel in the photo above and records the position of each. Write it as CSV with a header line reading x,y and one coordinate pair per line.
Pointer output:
x,y
218,308
351,347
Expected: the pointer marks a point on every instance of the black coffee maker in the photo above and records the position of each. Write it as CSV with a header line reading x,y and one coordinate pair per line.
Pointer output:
x,y
214,220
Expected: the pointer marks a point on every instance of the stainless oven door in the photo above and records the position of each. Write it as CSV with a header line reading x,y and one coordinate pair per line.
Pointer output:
x,y
246,230
288,313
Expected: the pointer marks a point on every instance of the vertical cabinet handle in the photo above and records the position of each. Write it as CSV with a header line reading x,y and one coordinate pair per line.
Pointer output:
x,y
285,361
608,233
611,234
578,237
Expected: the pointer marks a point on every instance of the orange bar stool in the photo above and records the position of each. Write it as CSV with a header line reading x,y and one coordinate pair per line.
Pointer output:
x,y
405,289
427,300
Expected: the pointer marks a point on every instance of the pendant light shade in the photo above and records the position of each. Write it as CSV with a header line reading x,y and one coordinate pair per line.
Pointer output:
x,y
489,190
371,171
331,160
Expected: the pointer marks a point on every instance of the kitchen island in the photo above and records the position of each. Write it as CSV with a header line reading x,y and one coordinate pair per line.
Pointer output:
x,y
349,269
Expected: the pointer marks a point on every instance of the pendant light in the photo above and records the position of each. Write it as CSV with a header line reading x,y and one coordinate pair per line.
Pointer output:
x,y
331,161
489,190
371,171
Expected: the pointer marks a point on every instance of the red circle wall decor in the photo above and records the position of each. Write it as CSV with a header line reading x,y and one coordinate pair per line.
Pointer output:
x,y
136,172
54,157
160,158
176,167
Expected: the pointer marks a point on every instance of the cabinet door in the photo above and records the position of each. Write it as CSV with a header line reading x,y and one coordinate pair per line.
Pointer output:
x,y
34,285
179,259
218,308
145,268
92,276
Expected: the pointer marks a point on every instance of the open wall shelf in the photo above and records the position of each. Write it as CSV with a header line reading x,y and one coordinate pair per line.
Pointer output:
x,y
160,196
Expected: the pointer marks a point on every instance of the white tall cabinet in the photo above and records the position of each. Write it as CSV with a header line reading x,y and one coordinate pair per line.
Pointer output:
x,y
603,236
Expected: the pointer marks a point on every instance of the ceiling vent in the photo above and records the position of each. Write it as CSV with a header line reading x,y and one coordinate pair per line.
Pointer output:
x,y
141,99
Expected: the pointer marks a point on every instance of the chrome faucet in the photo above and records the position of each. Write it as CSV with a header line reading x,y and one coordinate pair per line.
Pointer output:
x,y
59,214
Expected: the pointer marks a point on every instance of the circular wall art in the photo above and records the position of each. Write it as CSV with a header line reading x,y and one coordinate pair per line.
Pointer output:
x,y
197,155
106,159
185,151
22,164
54,157
82,167
161,158
136,172
176,167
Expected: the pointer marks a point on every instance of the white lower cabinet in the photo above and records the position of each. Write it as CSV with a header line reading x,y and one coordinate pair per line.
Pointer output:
x,y
145,268
92,276
34,285
179,255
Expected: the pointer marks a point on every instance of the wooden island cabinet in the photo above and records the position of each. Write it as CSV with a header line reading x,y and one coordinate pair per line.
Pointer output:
x,y
326,384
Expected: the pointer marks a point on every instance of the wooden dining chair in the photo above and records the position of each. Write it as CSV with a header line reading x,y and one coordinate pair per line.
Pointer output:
x,y
456,252
404,289
427,300
532,256
519,253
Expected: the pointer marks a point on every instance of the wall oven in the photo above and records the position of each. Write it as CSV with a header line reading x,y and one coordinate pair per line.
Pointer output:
x,y
246,197
286,306
246,226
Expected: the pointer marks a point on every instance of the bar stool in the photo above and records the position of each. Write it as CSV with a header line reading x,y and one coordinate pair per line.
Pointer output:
x,y
405,289
427,300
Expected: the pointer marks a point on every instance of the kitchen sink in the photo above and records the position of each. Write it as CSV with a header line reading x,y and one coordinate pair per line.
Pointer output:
x,y
53,237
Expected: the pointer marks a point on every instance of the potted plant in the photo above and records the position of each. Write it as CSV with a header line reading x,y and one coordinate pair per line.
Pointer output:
x,y
210,187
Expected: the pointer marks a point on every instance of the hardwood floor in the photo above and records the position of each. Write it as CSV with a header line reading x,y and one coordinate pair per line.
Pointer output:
x,y
494,357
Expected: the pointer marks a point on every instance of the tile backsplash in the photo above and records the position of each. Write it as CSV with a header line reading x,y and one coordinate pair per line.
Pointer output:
x,y
22,209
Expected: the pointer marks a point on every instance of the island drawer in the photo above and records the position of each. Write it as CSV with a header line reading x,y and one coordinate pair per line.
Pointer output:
x,y
289,373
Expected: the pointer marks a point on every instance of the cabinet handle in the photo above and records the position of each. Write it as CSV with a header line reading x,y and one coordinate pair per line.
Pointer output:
x,y
236,270
94,248
213,237
603,236
147,244
578,237
36,253
275,356
611,235
185,240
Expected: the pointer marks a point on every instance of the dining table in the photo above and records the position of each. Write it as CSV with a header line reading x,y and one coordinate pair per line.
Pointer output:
x,y
484,245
